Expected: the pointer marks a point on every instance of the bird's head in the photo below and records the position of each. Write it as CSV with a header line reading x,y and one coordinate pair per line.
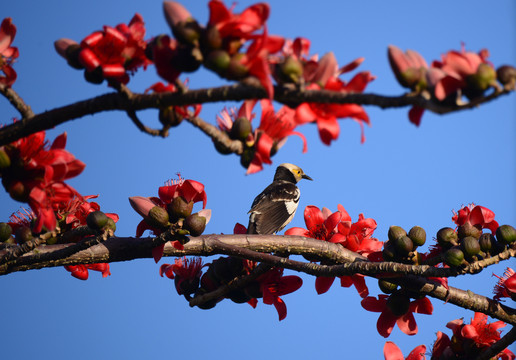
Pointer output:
x,y
290,172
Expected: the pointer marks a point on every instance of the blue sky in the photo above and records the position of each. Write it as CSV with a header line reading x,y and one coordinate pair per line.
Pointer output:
x,y
402,175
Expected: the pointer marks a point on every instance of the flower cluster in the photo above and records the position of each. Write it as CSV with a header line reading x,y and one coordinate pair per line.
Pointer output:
x,y
190,281
172,210
469,340
8,53
457,73
468,243
34,173
338,228
111,53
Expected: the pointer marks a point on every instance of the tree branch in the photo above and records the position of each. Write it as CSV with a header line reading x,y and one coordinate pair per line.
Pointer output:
x,y
499,346
237,92
16,101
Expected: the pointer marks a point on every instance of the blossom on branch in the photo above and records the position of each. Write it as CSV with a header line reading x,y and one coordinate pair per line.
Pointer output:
x,y
477,216
8,53
81,271
186,274
392,352
506,286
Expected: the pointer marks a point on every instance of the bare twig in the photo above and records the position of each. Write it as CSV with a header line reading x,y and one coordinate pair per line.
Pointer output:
x,y
16,101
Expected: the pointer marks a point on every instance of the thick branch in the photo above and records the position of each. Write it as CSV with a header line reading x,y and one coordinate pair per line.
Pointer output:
x,y
238,92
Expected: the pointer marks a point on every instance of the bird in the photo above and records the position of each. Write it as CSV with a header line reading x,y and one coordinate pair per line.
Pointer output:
x,y
276,205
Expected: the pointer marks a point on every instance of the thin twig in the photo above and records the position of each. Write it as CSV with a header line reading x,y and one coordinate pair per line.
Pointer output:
x,y
16,101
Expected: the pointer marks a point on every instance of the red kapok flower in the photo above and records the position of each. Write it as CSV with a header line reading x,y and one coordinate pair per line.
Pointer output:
x,y
81,271
506,286
478,216
392,352
388,319
409,67
186,272
273,285
8,53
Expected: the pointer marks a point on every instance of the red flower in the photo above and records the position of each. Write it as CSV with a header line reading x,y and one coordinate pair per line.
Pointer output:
x,y
8,53
478,216
74,212
37,175
506,286
190,190
273,285
272,133
186,272
458,70
237,26
183,111
325,76
388,319
164,51
115,50
81,271
409,67
392,352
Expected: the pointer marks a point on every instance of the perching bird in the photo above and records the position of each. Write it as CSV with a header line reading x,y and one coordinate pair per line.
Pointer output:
x,y
275,207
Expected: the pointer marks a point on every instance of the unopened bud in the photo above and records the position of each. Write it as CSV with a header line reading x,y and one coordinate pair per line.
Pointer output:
x,y
23,234
195,224
96,220
454,257
218,61
467,229
158,217
169,117
241,129
418,235
237,70
470,246
187,58
211,38
18,191
5,160
5,231
486,242
447,237
396,232
179,208
403,245
506,75
387,287
95,77
290,70
506,234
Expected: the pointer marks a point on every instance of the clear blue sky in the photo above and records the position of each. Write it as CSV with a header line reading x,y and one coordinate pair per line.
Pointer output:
x,y
402,175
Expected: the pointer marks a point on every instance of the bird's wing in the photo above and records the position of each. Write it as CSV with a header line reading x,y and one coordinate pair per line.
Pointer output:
x,y
273,209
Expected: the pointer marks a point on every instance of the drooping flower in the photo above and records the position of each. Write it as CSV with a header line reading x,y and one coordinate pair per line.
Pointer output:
x,y
406,321
81,271
273,285
409,67
186,272
506,286
8,53
476,215
392,352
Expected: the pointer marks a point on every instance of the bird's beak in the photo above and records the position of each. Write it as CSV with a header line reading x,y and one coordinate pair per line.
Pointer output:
x,y
304,176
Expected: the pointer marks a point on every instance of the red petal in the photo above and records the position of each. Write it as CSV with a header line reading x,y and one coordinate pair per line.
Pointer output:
x,y
59,142
418,353
407,324
323,284
157,252
281,308
415,114
373,304
313,217
385,323
392,352
328,129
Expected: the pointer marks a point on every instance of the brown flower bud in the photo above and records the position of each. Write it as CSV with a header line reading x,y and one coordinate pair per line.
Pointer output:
x,y
418,235
396,232
506,234
195,224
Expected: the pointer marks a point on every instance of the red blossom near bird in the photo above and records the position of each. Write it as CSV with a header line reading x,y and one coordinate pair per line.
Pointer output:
x,y
81,271
182,110
325,77
273,285
457,66
392,352
238,26
506,286
387,320
115,50
183,270
476,215
8,53
189,190
272,134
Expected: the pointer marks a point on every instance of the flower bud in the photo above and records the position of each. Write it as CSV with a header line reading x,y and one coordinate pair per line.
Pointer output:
x,y
447,237
241,129
396,232
290,70
506,234
169,117
5,160
211,38
398,303
5,231
96,220
236,69
486,242
95,76
506,75
418,235
479,82
23,234
247,156
454,257
187,59
403,245
195,224
72,56
218,61
184,27
158,217
470,246
467,229
18,191
178,208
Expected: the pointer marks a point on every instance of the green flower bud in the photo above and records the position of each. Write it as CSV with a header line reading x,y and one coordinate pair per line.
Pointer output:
x,y
454,257
506,75
486,242
168,117
506,234
447,237
417,235
111,225
158,217
290,70
468,230
195,224
396,232
218,61
5,231
403,245
211,38
96,220
386,286
236,69
178,208
23,234
241,129
470,246
5,161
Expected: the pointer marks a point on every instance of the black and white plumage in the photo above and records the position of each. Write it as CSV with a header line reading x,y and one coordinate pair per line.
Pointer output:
x,y
275,206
